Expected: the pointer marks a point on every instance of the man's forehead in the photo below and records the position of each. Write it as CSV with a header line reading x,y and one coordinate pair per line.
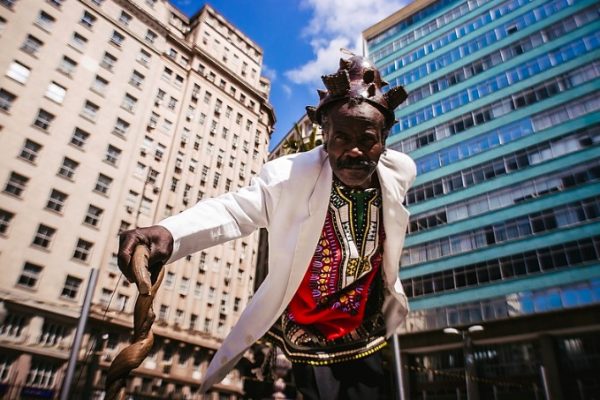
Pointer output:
x,y
347,112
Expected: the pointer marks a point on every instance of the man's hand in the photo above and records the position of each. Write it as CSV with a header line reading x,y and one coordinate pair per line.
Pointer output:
x,y
156,238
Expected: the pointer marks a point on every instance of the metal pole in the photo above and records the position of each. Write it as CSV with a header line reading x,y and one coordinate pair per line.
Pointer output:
x,y
400,392
85,311
470,371
545,382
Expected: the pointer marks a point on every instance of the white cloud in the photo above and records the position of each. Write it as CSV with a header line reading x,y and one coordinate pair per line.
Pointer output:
x,y
269,72
287,90
325,61
335,24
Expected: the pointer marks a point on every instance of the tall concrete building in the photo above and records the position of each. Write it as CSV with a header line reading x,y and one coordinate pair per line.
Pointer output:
x,y
116,114
502,120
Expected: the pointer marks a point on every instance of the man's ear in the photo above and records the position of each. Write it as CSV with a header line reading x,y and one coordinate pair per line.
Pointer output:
x,y
325,137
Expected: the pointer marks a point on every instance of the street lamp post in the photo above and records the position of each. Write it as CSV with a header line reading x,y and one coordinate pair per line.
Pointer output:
x,y
470,371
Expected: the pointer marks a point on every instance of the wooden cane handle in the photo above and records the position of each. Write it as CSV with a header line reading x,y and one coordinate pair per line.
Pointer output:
x,y
139,266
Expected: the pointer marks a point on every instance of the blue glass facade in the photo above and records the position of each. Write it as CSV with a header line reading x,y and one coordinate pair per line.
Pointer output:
x,y
503,122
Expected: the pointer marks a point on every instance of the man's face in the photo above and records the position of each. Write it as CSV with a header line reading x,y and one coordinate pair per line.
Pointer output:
x,y
355,140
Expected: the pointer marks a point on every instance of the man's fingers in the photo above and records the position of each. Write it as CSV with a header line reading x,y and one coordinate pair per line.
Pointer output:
x,y
127,243
155,238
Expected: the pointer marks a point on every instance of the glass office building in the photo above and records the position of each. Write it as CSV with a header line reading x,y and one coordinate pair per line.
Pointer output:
x,y
503,122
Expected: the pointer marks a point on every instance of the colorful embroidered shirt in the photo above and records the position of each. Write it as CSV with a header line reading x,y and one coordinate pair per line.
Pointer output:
x,y
337,308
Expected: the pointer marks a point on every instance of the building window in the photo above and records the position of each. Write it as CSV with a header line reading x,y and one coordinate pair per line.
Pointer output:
x,y
99,85
79,138
121,303
169,279
121,127
56,3
178,81
71,287
172,53
31,45
129,102
108,61
179,317
124,18
67,66
56,92
117,38
150,36
105,297
45,21
6,364
30,275
52,333
68,167
93,215
18,72
193,322
8,3
172,103
6,99
83,250
163,312
103,184
16,184
144,57
13,325
57,199
167,74
43,119
43,236
90,110
88,19
112,155
78,41
30,150
5,218
136,79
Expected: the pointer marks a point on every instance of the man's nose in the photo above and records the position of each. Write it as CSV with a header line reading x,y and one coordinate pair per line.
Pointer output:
x,y
354,150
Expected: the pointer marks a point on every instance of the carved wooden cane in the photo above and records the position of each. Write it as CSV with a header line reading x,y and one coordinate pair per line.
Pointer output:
x,y
143,317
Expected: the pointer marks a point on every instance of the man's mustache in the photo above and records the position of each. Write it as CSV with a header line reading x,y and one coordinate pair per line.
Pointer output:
x,y
356,163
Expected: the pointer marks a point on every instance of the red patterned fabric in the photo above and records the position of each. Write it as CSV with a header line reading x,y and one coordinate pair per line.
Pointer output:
x,y
320,301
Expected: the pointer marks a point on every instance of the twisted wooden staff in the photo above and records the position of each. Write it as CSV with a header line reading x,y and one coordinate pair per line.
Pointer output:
x,y
143,317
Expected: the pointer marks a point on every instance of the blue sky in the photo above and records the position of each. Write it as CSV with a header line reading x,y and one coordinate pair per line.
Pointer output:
x,y
301,41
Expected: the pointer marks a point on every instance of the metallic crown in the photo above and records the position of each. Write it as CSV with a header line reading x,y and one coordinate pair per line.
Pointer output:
x,y
357,79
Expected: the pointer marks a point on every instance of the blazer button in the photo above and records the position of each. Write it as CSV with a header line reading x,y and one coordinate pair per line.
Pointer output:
x,y
249,339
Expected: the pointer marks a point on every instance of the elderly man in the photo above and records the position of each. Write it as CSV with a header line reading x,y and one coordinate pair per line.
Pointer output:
x,y
336,229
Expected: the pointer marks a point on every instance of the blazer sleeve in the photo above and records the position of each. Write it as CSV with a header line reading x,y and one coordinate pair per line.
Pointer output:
x,y
220,219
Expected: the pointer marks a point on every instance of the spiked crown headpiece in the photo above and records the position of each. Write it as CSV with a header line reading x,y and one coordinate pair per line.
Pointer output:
x,y
357,79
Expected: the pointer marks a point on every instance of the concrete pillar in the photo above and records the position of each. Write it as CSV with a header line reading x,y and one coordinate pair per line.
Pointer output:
x,y
550,363
34,329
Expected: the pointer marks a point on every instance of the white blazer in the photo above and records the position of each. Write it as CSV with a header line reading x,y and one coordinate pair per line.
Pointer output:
x,y
290,198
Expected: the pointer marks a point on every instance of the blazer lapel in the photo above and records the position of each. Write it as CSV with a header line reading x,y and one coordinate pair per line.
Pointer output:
x,y
395,220
310,229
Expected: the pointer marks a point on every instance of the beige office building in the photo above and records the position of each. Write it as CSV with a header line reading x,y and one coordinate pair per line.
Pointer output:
x,y
116,114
